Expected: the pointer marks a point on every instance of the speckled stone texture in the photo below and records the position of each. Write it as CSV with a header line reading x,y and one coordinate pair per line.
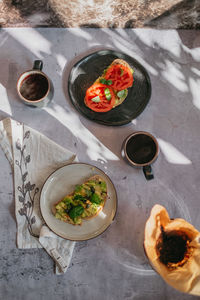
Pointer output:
x,y
101,13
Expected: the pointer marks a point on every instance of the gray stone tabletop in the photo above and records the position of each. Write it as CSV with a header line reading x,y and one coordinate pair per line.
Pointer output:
x,y
111,266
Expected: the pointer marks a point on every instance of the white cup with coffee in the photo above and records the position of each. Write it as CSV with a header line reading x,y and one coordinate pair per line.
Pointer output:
x,y
141,149
34,87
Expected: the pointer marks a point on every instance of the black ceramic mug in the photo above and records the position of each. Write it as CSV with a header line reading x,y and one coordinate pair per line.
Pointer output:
x,y
141,149
34,87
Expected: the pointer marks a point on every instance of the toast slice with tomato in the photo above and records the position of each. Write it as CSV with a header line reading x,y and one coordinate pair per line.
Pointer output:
x,y
111,88
119,97
85,202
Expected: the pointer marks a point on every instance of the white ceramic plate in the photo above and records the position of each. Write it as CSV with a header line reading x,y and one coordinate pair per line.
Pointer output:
x,y
62,182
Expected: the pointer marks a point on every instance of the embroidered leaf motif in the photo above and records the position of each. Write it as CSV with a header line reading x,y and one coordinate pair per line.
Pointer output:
x,y
33,220
24,176
27,134
32,187
28,186
28,191
18,145
19,189
28,158
21,199
21,211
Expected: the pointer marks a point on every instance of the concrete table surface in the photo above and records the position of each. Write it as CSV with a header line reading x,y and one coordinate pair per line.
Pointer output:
x,y
112,266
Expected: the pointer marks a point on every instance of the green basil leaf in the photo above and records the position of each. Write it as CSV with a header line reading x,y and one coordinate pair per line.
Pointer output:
x,y
76,211
122,71
95,199
96,99
103,81
108,97
107,94
109,82
107,91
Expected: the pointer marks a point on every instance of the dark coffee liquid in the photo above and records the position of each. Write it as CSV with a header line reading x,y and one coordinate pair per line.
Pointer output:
x,y
172,246
34,87
141,149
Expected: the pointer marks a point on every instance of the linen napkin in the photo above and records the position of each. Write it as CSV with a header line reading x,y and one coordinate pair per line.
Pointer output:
x,y
33,157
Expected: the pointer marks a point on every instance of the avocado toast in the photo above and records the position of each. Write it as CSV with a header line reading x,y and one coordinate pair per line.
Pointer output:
x,y
86,201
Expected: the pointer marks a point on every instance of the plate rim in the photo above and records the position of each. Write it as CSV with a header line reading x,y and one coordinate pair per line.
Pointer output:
x,y
84,239
116,53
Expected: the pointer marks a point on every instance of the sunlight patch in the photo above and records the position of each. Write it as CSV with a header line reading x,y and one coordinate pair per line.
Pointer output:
x,y
134,122
194,88
175,76
61,60
94,148
172,154
102,215
5,105
35,43
80,33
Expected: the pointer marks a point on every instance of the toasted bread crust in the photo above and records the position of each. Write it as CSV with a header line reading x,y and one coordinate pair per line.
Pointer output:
x,y
119,61
68,220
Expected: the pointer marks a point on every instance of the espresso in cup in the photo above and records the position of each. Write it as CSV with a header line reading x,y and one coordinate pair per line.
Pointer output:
x,y
141,150
34,87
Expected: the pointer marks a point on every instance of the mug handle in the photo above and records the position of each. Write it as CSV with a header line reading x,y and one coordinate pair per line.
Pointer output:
x,y
148,172
38,65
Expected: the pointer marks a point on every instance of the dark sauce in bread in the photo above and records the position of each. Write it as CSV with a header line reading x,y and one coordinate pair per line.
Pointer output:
x,y
172,246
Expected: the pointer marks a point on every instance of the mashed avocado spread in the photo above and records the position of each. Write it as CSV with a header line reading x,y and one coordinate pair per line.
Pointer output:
x,y
85,202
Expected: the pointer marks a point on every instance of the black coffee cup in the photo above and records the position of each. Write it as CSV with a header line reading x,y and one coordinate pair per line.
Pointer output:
x,y
141,149
34,87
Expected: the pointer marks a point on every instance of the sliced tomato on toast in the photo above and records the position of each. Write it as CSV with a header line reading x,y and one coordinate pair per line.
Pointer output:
x,y
100,97
120,75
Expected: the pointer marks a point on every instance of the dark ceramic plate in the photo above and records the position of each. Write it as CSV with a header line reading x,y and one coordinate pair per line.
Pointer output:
x,y
89,68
